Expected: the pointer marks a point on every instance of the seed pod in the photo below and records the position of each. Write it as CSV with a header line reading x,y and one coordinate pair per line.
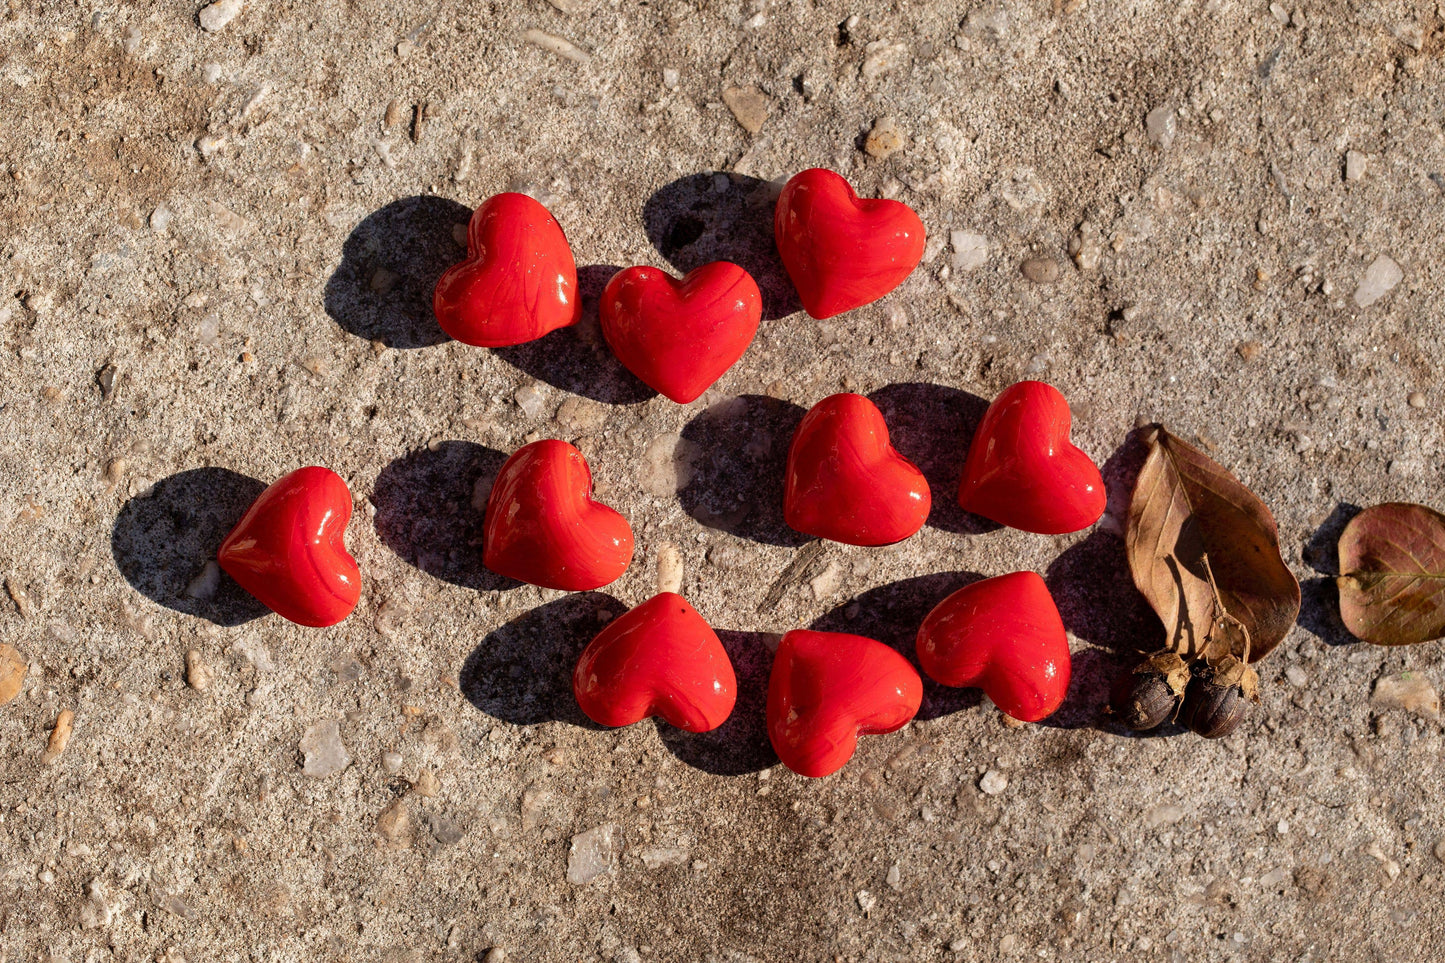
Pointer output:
x,y
1148,696
1143,700
1210,709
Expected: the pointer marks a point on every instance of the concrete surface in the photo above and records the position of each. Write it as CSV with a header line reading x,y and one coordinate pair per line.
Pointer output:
x,y
219,236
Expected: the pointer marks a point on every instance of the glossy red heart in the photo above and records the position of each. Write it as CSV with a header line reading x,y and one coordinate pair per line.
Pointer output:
x,y
843,251
826,689
543,527
288,549
518,281
845,482
679,337
659,659
1003,635
1023,472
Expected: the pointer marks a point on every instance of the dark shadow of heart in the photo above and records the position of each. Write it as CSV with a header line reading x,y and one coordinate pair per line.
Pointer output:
x,y
1319,612
932,426
390,263
737,478
740,745
576,358
163,539
714,216
521,673
430,508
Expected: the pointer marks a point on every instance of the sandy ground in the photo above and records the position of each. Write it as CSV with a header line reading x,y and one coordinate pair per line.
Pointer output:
x,y
217,248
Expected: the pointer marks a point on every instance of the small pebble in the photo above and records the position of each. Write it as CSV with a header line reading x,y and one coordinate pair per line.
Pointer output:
x,y
749,106
19,596
216,16
866,901
885,139
495,955
1164,814
1380,279
391,761
322,749
1409,691
1416,399
211,73
394,825
825,583
993,783
1297,676
12,672
1248,350
894,878
1354,165
882,57
1440,850
593,853
1160,125
669,568
59,738
105,379
199,676
161,218
970,251
670,78
530,400
1041,270
206,582
554,44
427,784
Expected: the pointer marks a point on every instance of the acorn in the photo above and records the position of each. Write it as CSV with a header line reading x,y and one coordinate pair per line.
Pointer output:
x,y
1210,709
1143,700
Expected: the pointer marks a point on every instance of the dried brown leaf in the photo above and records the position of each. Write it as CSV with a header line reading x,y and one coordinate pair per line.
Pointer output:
x,y
1204,551
1392,574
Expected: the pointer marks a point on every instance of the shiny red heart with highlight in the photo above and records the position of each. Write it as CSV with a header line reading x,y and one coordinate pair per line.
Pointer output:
x,y
659,659
1022,470
826,689
843,251
288,549
679,337
518,281
543,527
845,482
1003,635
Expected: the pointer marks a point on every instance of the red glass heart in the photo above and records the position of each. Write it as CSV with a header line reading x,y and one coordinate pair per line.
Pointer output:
x,y
1022,470
679,337
1003,635
845,482
518,281
659,659
288,549
543,527
843,251
826,689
